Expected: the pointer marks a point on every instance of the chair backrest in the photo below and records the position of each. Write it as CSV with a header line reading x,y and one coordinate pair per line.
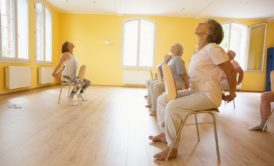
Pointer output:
x,y
272,80
151,74
82,72
170,85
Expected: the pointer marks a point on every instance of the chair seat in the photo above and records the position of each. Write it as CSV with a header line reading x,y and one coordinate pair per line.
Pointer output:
x,y
209,110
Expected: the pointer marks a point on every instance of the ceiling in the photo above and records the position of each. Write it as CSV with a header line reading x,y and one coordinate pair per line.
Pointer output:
x,y
248,9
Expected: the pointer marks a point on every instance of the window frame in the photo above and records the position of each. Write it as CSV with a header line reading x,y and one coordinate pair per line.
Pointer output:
x,y
264,48
245,56
138,67
16,59
44,7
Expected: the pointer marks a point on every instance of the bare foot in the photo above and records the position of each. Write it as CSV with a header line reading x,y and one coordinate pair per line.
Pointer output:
x,y
158,138
153,113
148,106
163,154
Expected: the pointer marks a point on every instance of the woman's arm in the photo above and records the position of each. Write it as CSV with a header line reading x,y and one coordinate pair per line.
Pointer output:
x,y
231,78
241,75
185,79
57,70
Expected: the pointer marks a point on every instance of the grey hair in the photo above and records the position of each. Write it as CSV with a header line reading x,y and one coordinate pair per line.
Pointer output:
x,y
181,49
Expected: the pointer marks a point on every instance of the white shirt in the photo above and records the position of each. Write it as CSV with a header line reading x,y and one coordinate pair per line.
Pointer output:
x,y
71,66
205,74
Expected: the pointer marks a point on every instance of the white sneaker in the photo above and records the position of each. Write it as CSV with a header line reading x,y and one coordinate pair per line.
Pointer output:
x,y
81,97
72,102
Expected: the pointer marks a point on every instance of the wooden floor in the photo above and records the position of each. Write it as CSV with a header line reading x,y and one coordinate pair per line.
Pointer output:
x,y
111,129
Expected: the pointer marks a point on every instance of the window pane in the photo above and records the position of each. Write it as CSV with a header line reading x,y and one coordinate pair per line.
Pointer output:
x,y
39,32
7,29
146,43
256,47
48,36
130,46
238,40
22,22
225,42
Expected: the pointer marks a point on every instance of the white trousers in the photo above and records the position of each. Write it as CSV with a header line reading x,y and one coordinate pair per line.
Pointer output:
x,y
158,88
150,88
171,114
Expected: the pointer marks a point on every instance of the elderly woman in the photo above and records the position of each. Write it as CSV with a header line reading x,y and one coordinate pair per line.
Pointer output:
x,y
205,91
178,69
239,71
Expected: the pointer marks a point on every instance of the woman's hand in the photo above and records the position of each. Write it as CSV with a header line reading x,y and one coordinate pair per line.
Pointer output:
x,y
229,97
54,75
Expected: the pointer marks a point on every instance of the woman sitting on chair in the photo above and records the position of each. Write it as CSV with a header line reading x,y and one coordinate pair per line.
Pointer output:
x,y
68,72
178,69
205,91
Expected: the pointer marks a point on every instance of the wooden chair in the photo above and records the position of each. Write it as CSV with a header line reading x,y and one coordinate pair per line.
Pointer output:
x,y
63,84
81,76
171,95
272,90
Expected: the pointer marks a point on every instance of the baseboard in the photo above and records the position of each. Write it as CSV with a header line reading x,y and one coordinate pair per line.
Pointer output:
x,y
27,89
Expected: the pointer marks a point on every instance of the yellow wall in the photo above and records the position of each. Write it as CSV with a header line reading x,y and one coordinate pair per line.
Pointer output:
x,y
33,64
88,33
255,81
104,62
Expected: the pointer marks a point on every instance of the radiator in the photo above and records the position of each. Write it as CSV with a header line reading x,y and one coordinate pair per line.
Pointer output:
x,y
18,77
45,75
135,77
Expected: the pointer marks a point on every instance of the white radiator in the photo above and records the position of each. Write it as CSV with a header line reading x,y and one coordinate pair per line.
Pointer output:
x,y
45,75
135,77
18,77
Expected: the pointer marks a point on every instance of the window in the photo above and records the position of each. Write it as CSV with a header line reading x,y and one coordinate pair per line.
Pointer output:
x,y
256,47
235,38
138,43
14,30
43,33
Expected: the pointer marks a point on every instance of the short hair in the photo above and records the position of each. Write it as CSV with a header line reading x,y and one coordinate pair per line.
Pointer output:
x,y
181,49
216,33
231,53
65,47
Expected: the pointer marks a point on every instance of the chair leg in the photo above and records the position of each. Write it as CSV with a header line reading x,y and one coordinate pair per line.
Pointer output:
x,y
176,138
267,120
60,94
86,98
197,128
216,136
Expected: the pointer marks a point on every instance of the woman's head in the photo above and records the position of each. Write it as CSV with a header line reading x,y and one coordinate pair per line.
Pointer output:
x,y
67,47
212,30
231,54
177,49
